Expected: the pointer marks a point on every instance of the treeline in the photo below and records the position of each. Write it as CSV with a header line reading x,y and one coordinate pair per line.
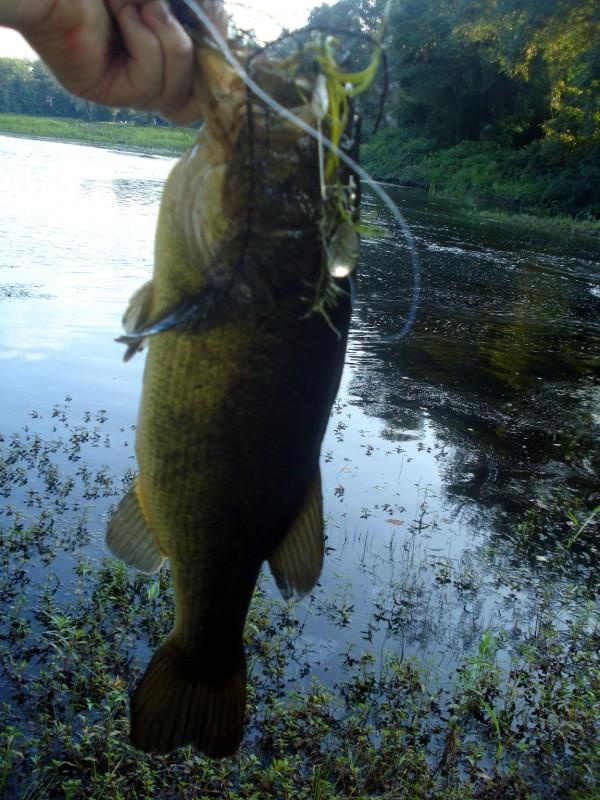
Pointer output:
x,y
27,87
492,99
509,71
489,98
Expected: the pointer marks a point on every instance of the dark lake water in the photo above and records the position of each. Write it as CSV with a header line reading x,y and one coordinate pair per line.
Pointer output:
x,y
461,464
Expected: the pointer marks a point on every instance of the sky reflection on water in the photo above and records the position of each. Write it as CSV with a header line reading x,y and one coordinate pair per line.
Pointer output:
x,y
438,444
74,245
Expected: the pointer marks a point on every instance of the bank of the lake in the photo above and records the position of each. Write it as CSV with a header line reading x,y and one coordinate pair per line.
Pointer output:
x,y
163,140
543,181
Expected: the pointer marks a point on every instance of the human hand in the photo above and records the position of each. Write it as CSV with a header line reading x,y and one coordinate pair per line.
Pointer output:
x,y
127,53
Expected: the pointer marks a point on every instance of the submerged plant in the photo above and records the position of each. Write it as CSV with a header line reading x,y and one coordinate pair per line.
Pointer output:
x,y
518,717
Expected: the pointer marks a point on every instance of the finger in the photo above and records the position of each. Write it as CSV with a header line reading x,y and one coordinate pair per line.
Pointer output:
x,y
139,79
116,6
177,58
75,40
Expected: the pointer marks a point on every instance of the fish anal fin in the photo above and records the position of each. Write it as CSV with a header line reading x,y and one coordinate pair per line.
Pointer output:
x,y
173,707
129,536
297,562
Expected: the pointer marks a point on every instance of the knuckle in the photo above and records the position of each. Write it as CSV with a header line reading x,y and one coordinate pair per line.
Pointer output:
x,y
180,48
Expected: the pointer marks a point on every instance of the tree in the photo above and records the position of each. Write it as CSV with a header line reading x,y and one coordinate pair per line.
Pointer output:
x,y
560,38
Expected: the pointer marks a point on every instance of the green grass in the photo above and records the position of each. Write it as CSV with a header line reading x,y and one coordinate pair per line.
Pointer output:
x,y
556,224
516,719
152,138
541,179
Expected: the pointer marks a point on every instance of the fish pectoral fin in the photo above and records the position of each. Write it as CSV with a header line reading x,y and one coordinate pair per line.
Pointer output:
x,y
129,536
135,318
297,562
137,315
175,705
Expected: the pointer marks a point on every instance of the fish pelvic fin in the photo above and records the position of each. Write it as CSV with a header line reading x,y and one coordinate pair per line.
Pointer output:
x,y
173,707
297,562
129,536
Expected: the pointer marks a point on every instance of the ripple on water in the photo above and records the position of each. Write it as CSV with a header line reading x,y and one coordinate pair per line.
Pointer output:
x,y
439,445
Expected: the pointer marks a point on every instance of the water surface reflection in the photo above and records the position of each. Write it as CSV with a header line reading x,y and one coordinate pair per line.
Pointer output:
x,y
76,237
451,455
505,355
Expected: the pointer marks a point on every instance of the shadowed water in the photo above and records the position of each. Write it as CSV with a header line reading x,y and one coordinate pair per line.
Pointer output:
x,y
451,457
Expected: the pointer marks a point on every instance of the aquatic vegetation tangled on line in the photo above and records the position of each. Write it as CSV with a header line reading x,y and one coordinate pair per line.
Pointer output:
x,y
339,86
517,718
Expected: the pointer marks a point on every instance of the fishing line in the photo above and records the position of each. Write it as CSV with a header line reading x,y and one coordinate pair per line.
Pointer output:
x,y
323,141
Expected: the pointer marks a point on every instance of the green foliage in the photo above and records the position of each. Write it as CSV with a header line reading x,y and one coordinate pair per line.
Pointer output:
x,y
560,38
543,176
395,152
29,88
444,84
496,101
506,70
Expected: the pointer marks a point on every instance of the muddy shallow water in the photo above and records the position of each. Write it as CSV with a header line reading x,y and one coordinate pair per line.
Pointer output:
x,y
453,455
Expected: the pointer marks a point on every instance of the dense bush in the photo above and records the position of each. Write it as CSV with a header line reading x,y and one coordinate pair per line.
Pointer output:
x,y
545,175
496,100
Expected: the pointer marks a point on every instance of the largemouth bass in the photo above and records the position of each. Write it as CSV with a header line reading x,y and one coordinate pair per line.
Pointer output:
x,y
246,332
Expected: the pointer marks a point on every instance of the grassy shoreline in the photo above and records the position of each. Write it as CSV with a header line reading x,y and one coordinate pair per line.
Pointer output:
x,y
152,139
541,186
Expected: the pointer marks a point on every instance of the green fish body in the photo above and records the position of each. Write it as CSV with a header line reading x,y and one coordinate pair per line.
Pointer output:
x,y
240,378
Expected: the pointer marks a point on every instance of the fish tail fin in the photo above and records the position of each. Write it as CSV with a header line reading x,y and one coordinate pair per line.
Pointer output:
x,y
173,706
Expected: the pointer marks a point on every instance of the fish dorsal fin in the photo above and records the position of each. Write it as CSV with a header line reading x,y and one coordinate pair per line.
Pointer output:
x,y
129,537
137,316
297,562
